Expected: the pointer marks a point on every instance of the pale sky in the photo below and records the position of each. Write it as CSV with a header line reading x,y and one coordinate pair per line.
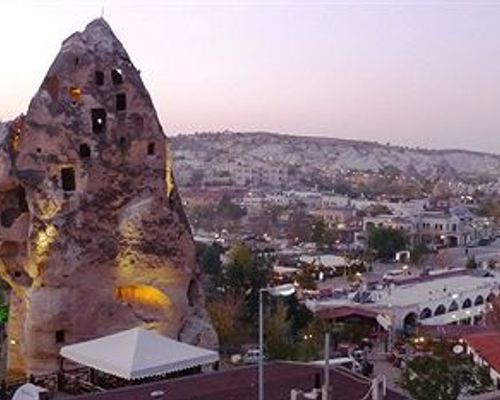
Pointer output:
x,y
421,73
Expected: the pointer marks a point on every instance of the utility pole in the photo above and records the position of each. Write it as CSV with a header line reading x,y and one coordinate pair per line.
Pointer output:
x,y
326,381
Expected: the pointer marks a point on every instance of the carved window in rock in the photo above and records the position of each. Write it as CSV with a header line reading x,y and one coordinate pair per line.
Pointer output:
x,y
121,102
99,78
98,120
8,216
60,336
68,181
84,151
151,149
117,76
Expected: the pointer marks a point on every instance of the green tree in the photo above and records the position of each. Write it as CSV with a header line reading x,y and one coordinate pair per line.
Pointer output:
x,y
278,335
444,378
318,231
386,241
4,314
471,263
227,209
210,259
245,274
418,253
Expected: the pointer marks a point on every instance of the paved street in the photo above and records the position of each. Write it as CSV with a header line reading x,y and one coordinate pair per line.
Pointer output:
x,y
453,257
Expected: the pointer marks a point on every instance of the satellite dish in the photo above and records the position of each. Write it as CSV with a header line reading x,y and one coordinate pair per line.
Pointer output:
x,y
458,349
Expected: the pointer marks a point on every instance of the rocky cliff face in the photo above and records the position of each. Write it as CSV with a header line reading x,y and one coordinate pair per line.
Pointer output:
x,y
322,156
93,237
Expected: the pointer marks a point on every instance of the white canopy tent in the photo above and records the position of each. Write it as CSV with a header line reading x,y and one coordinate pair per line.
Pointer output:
x,y
137,353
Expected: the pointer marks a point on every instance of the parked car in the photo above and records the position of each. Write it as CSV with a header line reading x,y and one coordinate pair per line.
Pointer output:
x,y
251,356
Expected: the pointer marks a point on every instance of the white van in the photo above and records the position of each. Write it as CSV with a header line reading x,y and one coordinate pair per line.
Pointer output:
x,y
393,274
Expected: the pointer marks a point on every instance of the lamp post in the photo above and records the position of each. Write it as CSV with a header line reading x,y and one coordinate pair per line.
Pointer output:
x,y
281,290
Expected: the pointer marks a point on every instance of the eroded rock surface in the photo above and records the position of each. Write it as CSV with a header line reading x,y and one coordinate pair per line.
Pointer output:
x,y
93,237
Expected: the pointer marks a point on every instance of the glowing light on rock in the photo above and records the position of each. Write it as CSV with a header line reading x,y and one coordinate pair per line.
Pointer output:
x,y
75,93
143,295
169,171
41,250
48,209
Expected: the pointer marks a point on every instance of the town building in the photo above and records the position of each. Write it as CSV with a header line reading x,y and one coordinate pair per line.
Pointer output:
x,y
484,348
454,297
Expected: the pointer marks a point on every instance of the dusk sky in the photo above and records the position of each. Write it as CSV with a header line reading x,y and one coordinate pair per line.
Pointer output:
x,y
421,73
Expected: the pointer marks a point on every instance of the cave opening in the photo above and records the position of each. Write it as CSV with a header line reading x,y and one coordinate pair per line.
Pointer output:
x,y
68,180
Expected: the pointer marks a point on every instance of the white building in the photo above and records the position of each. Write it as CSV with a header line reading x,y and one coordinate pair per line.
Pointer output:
x,y
484,348
456,297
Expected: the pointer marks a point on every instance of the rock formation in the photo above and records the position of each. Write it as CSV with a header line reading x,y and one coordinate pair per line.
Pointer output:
x,y
93,237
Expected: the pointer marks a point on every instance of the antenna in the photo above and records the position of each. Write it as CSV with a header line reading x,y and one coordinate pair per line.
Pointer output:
x,y
102,12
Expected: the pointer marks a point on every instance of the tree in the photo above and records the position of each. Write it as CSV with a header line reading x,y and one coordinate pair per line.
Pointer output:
x,y
318,230
471,263
418,253
225,314
444,377
4,314
278,338
245,274
386,241
227,209
210,259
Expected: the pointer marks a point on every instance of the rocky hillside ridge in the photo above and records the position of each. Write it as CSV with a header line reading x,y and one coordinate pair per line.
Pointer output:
x,y
329,156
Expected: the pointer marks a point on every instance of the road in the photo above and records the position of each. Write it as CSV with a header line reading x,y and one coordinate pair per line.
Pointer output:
x,y
453,257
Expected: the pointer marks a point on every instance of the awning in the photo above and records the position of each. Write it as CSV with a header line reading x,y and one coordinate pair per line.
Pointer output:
x,y
137,353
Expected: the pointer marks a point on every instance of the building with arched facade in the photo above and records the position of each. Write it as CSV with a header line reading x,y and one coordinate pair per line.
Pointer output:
x,y
457,297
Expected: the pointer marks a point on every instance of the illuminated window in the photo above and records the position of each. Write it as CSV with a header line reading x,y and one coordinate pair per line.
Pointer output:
x,y
116,76
8,216
151,149
60,336
121,102
68,179
99,78
84,150
75,93
98,120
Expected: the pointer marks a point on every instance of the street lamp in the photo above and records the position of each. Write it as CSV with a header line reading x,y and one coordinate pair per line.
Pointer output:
x,y
281,290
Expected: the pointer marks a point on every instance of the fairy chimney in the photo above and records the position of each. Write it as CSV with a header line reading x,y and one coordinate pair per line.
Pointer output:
x,y
93,237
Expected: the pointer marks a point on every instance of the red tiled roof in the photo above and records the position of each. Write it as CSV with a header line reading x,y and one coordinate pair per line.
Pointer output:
x,y
487,346
345,311
241,384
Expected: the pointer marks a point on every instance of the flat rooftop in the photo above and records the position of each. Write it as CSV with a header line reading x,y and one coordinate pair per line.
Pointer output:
x,y
434,289
241,384
421,290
